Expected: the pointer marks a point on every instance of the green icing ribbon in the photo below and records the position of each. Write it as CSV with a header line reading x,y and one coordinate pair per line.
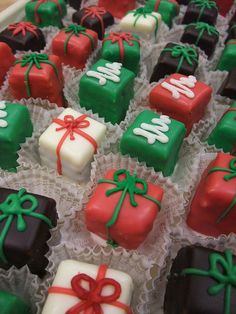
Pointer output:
x,y
128,186
31,60
203,27
12,208
184,53
223,271
232,174
76,30
144,12
204,4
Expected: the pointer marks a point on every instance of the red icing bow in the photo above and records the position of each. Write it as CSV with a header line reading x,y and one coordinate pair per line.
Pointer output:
x,y
92,298
71,126
120,38
94,12
39,2
23,27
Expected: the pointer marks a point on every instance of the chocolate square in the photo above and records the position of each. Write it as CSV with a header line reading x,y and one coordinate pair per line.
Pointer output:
x,y
228,88
233,20
189,293
168,62
231,32
202,35
25,242
76,4
94,21
184,2
194,13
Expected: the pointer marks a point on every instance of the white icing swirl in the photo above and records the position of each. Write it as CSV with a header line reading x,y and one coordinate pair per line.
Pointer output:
x,y
111,72
181,86
3,114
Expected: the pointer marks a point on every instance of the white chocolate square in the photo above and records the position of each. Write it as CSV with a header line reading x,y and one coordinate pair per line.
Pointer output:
x,y
144,27
60,303
74,154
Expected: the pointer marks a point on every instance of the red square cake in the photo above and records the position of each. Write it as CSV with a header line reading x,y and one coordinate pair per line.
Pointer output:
x,y
123,208
74,44
182,98
6,61
118,8
38,76
213,209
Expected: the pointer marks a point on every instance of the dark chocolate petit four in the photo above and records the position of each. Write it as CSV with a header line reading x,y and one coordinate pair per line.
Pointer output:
x,y
184,2
233,19
228,88
231,32
228,58
76,4
25,223
95,18
6,61
201,281
202,35
12,304
23,36
201,11
175,58
118,8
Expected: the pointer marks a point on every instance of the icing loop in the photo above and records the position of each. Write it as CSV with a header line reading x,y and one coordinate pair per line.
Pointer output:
x,y
3,114
202,27
155,132
187,54
71,126
145,13
23,27
13,207
181,86
128,186
223,271
204,4
111,71
94,12
38,4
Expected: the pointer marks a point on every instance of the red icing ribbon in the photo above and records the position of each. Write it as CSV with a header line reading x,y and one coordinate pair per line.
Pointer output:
x,y
94,12
39,2
23,27
92,298
231,42
72,125
120,38
158,3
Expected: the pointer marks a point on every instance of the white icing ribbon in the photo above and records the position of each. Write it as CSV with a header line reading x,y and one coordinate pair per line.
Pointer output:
x,y
155,132
3,114
111,72
181,86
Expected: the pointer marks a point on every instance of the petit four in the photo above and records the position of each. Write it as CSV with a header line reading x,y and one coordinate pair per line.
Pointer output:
x,y
224,134
70,142
228,87
12,304
168,9
155,139
233,19
81,287
124,48
224,6
6,61
118,8
107,88
181,97
202,35
23,36
132,205
142,22
25,223
213,208
175,58
201,281
228,58
76,4
15,126
184,2
45,12
38,76
74,44
201,11
231,32
95,18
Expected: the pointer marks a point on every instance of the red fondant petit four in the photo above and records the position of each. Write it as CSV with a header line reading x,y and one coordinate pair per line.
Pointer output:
x,y
6,60
213,209
118,8
224,6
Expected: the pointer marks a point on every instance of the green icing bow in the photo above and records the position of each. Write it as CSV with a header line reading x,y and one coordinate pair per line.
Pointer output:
x,y
76,30
31,60
128,186
204,4
144,12
223,271
12,208
184,53
202,27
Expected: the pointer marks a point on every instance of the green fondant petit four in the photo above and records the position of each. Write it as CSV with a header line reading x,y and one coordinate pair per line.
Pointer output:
x,y
12,304
228,58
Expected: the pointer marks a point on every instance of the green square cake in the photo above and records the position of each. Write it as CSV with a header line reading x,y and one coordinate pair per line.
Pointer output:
x,y
124,48
168,9
12,304
228,58
155,139
15,126
107,89
224,134
47,13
